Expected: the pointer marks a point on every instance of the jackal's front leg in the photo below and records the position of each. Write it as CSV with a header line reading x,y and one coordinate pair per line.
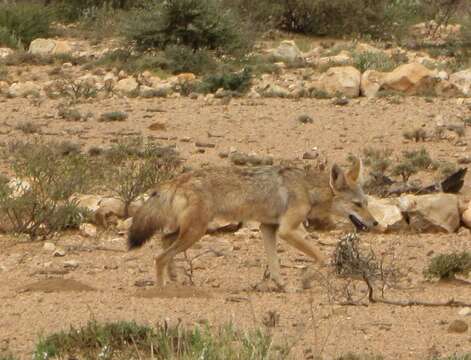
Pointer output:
x,y
269,242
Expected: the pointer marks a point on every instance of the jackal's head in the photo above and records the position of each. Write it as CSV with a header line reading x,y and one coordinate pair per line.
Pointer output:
x,y
348,197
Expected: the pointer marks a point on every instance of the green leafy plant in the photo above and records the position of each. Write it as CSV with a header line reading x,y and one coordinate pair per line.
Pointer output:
x,y
198,24
41,202
106,341
22,23
233,81
446,266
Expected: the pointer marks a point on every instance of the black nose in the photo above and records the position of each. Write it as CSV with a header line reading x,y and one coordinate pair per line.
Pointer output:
x,y
375,223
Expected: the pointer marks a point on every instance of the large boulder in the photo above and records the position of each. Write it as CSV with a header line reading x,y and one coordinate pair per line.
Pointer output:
x,y
49,47
432,213
371,83
288,52
410,79
5,52
386,213
462,80
127,86
344,80
466,217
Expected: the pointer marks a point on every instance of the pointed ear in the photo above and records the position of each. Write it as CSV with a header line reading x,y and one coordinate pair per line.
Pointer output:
x,y
354,174
337,178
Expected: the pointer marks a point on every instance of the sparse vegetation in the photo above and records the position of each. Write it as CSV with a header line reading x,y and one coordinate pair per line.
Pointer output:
x,y
113,116
126,339
237,82
136,166
39,204
412,162
446,266
352,356
22,23
454,357
373,61
416,135
198,24
379,160
28,127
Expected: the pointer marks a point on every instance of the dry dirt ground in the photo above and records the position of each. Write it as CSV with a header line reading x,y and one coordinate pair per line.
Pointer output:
x,y
40,295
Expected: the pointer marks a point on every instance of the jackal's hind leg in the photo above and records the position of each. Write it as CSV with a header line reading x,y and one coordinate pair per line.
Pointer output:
x,y
167,241
191,230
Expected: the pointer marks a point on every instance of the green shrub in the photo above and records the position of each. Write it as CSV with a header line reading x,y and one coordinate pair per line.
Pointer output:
x,y
232,81
73,10
180,59
197,24
105,341
379,160
446,266
113,116
318,17
45,206
369,60
22,23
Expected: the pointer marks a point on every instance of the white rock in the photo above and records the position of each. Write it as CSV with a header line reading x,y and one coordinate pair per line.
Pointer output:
x,y
42,46
71,264
465,311
59,252
127,86
343,80
288,52
371,83
49,247
23,89
88,230
432,212
5,52
386,213
462,79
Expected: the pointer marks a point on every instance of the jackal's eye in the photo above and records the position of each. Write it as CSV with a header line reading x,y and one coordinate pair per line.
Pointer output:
x,y
358,204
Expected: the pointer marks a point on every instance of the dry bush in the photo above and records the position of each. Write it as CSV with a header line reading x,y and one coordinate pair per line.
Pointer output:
x,y
132,167
40,204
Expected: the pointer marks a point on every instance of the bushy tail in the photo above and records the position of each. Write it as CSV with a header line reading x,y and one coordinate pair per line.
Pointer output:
x,y
145,223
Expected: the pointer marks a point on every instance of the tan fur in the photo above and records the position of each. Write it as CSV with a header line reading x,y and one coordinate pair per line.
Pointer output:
x,y
280,198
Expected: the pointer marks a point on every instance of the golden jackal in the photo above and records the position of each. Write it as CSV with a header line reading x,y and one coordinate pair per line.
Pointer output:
x,y
280,198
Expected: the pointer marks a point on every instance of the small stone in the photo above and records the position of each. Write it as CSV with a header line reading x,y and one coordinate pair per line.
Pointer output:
x,y
458,327
49,247
465,312
305,119
341,101
204,145
71,264
59,252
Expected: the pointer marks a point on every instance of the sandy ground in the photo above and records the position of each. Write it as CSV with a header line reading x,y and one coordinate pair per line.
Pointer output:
x,y
39,295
